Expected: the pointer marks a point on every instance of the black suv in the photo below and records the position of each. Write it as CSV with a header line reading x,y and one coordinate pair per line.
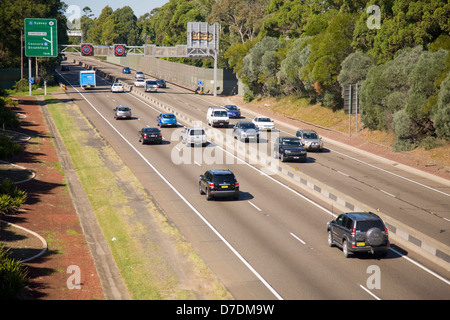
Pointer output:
x,y
288,148
359,232
219,183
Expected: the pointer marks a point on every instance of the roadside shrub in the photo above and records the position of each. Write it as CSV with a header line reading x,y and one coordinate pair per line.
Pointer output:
x,y
248,96
11,197
405,129
13,276
430,142
8,148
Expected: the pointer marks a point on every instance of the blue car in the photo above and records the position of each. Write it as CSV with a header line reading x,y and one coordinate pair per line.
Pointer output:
x,y
166,119
126,70
233,111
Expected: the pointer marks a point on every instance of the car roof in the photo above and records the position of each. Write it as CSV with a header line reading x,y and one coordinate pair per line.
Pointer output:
x,y
362,215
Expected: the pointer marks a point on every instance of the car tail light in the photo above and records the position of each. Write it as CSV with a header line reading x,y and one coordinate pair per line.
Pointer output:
x,y
160,135
145,135
211,185
386,231
236,184
353,231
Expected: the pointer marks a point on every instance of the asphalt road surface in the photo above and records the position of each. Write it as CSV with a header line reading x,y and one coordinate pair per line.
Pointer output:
x,y
271,243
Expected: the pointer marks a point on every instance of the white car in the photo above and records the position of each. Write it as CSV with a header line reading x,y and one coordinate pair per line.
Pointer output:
x,y
264,123
117,87
194,136
139,83
139,75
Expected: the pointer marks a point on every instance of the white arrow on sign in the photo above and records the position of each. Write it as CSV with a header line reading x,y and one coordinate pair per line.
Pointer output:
x,y
50,41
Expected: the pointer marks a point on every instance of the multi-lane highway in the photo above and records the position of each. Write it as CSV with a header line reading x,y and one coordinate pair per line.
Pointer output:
x,y
271,243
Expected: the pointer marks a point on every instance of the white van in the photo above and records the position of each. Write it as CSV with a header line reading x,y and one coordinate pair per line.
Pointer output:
x,y
217,117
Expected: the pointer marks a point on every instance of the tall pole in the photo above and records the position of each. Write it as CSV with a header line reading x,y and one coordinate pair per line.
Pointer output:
x,y
29,76
215,73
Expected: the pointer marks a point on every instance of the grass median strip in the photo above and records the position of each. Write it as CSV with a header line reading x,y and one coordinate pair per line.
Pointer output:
x,y
132,236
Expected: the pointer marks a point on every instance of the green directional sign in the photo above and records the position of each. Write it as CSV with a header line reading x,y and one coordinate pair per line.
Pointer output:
x,y
41,38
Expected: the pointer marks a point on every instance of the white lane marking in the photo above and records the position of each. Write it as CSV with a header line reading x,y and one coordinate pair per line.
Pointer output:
x,y
303,242
255,206
422,267
236,253
369,292
394,174
389,194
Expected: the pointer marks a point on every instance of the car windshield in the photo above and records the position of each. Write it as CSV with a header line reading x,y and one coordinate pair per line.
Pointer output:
x,y
123,109
151,82
365,225
168,116
248,126
232,108
117,84
220,113
223,178
197,132
263,120
291,142
310,135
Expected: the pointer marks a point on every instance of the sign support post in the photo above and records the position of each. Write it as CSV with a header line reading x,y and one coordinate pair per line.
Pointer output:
x,y
29,76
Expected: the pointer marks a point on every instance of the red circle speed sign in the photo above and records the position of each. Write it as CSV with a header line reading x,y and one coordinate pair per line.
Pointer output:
x,y
86,49
119,50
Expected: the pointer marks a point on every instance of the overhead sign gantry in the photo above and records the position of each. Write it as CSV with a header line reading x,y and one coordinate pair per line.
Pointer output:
x,y
202,43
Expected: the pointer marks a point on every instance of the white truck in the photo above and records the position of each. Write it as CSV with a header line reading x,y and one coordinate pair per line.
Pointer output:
x,y
217,117
87,79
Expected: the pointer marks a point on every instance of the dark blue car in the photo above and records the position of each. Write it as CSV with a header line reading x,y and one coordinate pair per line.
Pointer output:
x,y
126,70
233,111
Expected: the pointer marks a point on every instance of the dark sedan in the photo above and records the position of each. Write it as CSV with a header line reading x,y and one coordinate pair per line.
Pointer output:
x,y
150,134
161,83
289,148
233,111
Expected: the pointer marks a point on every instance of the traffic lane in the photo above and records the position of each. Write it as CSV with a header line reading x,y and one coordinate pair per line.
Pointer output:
x,y
422,208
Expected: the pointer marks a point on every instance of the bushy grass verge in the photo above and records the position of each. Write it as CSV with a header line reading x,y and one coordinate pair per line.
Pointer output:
x,y
13,276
